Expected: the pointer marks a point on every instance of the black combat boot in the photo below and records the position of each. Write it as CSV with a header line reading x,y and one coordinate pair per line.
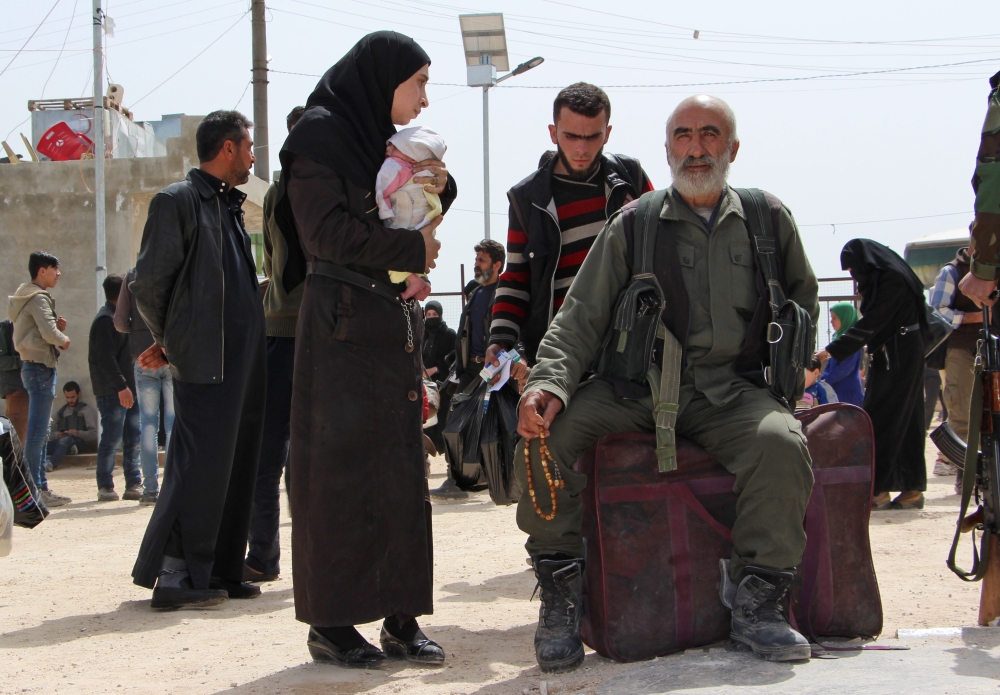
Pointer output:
x,y
558,647
759,622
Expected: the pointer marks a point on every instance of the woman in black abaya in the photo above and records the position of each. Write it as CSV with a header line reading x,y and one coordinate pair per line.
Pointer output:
x,y
892,308
361,533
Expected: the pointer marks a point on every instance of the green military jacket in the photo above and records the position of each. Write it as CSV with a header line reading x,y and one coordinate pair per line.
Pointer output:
x,y
718,270
986,184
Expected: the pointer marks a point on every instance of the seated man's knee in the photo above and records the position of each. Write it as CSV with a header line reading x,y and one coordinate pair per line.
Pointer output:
x,y
783,448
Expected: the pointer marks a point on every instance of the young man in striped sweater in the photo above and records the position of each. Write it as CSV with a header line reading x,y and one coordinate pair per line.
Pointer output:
x,y
555,215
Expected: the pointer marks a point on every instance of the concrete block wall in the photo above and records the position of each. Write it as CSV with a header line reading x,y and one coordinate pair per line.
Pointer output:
x,y
49,206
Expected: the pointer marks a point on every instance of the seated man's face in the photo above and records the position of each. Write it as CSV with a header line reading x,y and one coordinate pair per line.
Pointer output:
x,y
71,397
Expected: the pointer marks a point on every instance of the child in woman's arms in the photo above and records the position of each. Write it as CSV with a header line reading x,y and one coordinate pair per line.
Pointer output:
x,y
402,203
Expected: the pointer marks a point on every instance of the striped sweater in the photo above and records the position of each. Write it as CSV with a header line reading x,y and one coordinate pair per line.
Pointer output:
x,y
580,207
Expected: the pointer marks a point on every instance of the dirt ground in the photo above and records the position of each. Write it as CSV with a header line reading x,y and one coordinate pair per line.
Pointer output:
x,y
72,621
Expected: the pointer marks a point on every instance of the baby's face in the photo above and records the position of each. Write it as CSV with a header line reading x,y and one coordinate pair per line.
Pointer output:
x,y
392,151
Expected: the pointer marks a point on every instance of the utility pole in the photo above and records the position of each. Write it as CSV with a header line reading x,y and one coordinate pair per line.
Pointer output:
x,y
100,149
485,60
262,168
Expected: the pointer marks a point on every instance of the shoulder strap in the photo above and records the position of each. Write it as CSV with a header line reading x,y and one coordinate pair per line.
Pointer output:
x,y
647,219
980,556
761,228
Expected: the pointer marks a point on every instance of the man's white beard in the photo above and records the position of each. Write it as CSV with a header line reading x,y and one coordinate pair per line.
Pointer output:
x,y
695,184
483,277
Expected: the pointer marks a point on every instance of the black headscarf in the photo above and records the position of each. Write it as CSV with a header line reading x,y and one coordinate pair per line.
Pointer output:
x,y
868,260
347,121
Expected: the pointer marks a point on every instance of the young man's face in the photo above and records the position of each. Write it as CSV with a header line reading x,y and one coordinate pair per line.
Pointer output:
x,y
579,140
71,397
47,277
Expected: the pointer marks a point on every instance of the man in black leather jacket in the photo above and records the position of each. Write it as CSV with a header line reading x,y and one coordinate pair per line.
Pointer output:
x,y
555,215
196,288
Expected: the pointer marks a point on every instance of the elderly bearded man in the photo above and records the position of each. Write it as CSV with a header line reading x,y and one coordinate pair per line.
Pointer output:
x,y
704,263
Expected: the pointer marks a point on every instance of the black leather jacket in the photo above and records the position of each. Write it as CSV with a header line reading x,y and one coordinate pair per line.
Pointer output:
x,y
179,285
531,201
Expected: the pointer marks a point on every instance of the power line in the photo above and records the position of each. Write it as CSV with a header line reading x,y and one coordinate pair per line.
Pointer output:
x,y
58,57
30,37
894,219
172,76
753,81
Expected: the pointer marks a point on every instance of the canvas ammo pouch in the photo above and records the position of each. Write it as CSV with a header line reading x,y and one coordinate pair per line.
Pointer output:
x,y
790,333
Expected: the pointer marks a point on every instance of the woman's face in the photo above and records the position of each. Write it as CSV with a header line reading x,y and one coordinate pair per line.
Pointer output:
x,y
835,322
411,97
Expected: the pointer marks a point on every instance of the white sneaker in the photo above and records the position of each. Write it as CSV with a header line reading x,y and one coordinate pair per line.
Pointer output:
x,y
54,499
944,468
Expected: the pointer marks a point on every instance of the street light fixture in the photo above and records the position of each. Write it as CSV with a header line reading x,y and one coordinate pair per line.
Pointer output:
x,y
485,44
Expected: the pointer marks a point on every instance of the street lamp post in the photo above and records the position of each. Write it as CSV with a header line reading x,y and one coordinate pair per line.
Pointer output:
x,y
485,45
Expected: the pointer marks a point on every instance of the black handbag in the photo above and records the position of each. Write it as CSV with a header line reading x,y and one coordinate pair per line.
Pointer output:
x,y
935,329
627,349
791,335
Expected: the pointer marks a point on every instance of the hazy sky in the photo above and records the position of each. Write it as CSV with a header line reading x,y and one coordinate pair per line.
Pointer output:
x,y
842,149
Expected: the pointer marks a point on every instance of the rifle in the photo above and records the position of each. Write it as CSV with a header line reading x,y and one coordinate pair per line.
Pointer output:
x,y
980,474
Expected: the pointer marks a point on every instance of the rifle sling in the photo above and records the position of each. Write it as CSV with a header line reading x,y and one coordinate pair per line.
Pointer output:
x,y
980,558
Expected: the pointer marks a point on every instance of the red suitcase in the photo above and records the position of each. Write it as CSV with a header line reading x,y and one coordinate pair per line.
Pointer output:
x,y
654,540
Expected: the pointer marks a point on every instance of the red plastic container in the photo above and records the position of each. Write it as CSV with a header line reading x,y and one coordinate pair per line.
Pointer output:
x,y
60,143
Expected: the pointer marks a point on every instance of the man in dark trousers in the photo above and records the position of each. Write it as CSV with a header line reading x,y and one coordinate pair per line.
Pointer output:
x,y
281,311
113,381
555,215
196,288
474,332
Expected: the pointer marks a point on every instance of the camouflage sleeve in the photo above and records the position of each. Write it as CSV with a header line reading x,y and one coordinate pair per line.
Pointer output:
x,y
986,184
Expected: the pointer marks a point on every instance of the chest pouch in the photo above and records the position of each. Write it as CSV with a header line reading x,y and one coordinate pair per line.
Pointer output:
x,y
790,332
627,349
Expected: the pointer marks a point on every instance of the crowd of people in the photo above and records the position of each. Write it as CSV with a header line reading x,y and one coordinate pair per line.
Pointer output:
x,y
349,239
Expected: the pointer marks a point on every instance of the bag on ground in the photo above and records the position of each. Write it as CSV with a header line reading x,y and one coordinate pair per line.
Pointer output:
x,y
497,440
6,521
461,435
29,510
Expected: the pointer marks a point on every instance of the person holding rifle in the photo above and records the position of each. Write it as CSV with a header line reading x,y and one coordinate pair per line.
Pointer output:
x,y
981,281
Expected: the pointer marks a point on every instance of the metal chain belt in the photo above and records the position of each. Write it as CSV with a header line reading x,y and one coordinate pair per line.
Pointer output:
x,y
408,306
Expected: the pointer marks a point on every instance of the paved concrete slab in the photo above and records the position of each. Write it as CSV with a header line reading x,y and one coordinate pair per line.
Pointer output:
x,y
964,662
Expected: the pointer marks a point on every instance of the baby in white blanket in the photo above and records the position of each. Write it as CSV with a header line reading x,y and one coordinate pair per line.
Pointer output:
x,y
402,203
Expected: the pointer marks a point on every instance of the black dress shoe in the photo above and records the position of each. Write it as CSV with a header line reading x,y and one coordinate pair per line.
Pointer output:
x,y
420,649
252,575
167,599
323,650
234,589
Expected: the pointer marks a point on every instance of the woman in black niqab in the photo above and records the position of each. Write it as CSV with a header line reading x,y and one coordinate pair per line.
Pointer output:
x,y
892,307
361,532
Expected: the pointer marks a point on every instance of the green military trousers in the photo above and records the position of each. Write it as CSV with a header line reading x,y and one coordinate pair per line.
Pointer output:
x,y
753,436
